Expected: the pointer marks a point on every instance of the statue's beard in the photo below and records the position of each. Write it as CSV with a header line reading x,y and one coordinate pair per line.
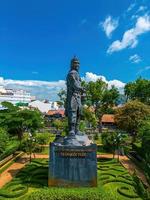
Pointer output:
x,y
74,68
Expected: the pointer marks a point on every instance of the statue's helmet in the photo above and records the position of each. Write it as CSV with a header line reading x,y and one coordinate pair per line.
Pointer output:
x,y
75,63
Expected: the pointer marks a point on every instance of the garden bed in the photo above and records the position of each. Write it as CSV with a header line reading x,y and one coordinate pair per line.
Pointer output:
x,y
114,183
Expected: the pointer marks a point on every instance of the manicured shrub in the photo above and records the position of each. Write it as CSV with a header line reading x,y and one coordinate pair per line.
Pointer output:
x,y
140,188
127,177
125,191
35,175
116,181
108,174
13,189
69,194
43,138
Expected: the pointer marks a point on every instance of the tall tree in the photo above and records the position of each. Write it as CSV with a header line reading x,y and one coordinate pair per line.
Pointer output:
x,y
109,99
3,140
130,116
90,117
139,89
95,92
101,98
16,121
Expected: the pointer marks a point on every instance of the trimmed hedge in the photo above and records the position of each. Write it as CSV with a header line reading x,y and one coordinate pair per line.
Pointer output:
x,y
70,194
13,189
35,175
112,172
124,191
117,181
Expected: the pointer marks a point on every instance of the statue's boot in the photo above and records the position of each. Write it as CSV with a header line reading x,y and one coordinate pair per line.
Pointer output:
x,y
81,137
71,140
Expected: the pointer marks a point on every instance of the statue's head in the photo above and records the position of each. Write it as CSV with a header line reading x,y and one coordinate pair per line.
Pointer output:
x,y
75,64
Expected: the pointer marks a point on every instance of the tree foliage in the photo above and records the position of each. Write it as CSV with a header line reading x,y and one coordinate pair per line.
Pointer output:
x,y
16,121
101,97
113,140
144,131
139,89
90,117
3,140
130,116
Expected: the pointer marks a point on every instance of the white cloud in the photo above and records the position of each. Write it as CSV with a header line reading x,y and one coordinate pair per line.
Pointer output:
x,y
134,17
109,25
135,58
130,37
93,77
143,70
50,89
131,6
142,8
89,76
40,89
33,83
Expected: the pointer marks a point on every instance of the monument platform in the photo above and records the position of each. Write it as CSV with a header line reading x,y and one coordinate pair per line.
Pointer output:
x,y
73,162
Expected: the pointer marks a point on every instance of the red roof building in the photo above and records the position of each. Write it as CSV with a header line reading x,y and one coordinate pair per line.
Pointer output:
x,y
56,112
108,121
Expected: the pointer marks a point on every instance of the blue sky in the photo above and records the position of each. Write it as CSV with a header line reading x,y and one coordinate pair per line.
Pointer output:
x,y
39,37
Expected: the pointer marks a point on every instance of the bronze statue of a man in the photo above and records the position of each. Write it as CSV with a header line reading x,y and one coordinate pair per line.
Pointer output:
x,y
74,92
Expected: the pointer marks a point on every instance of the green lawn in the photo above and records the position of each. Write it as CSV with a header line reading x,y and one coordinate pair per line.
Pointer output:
x,y
114,183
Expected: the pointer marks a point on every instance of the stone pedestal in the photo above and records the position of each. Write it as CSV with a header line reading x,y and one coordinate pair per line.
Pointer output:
x,y
72,166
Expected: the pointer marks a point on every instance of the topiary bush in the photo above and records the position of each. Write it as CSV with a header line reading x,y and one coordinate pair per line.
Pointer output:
x,y
13,189
127,192
35,177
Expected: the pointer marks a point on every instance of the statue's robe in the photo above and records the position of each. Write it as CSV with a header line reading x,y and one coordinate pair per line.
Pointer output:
x,y
73,102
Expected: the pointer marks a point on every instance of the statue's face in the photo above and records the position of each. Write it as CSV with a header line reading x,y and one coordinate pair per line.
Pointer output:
x,y
76,65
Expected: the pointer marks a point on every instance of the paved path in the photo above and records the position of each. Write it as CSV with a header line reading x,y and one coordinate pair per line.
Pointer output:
x,y
44,145
11,171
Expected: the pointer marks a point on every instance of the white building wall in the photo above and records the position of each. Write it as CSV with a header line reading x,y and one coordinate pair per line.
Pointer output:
x,y
44,107
14,96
